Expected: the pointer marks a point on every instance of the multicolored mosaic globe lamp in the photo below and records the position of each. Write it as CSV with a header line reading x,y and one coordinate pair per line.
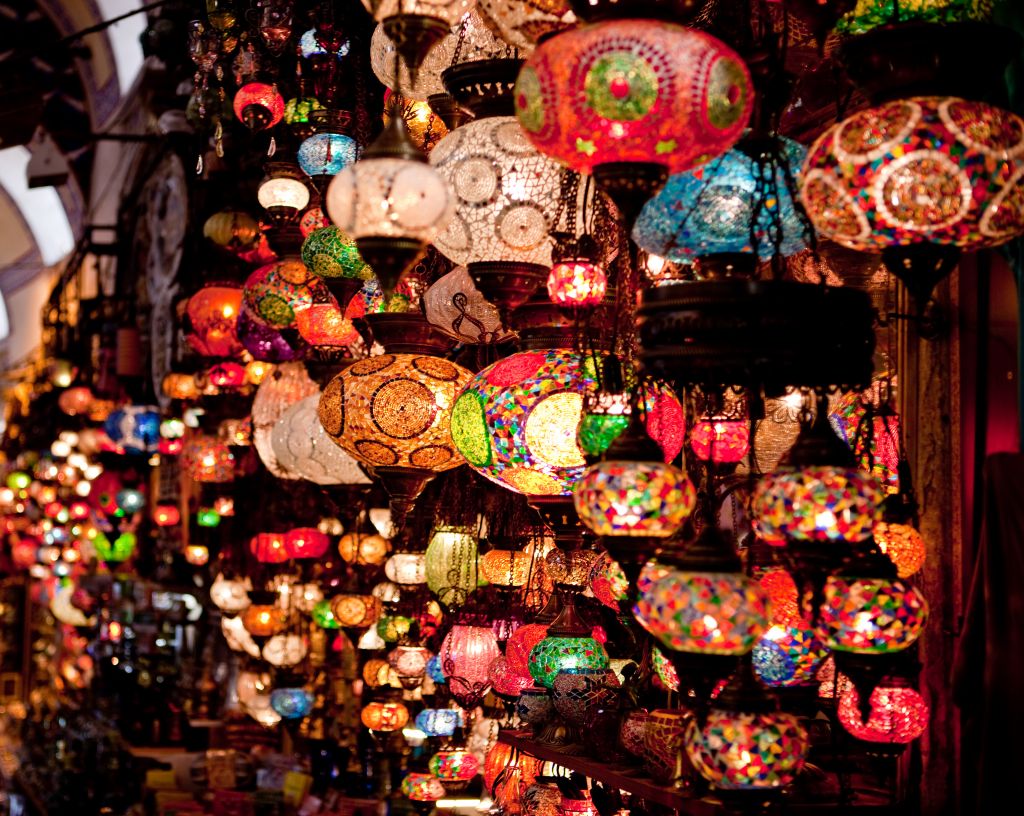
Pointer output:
x,y
329,150
333,257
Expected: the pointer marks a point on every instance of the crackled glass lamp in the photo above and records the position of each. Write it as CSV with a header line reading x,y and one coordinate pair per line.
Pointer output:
x,y
258,105
897,714
392,202
283,192
466,656
329,150
212,317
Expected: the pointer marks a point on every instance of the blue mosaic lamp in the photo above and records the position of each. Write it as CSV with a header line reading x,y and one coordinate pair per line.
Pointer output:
x,y
709,210
328,151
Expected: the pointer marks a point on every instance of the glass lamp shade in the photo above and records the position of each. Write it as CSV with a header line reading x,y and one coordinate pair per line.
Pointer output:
x,y
207,459
395,409
898,714
291,703
330,253
230,595
421,787
312,220
301,447
783,597
506,568
435,671
355,611
265,344
871,615
438,722
275,292
451,565
269,548
409,662
363,549
466,656
75,401
577,284
237,637
505,680
297,110
226,375
128,500
114,552
903,544
264,620
606,416
384,716
616,498
283,651
937,170
425,126
166,515
506,194
306,542
720,440
212,318
556,654
447,10
258,105
376,673
387,592
323,615
428,78
745,751
516,421
454,765
868,14
570,568
713,613
608,582
326,154
788,656
520,645
624,91
392,198
874,440
251,686
820,503
284,193
455,306
287,384
134,428
664,670
406,568
523,22
710,209
392,628
312,46
232,230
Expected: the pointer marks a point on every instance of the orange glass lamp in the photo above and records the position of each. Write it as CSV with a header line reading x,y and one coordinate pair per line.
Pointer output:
x,y
384,716
264,618
270,548
363,549
258,105
211,318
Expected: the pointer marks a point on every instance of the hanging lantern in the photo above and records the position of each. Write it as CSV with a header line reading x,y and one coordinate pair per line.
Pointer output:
x,y
562,653
871,615
323,616
264,619
130,500
355,611
198,555
392,628
306,542
232,230
409,663
301,446
606,415
384,716
438,722
783,596
523,22
283,192
466,656
710,209
75,401
376,673
623,91
720,440
788,656
288,384
520,645
330,253
406,568
328,151
283,651
275,292
258,105
166,515
313,219
230,595
577,284
291,703
897,714
269,548
362,549
226,375
135,428
421,787
454,767
506,568
455,306
212,316
903,544
608,582
298,109
450,565
207,459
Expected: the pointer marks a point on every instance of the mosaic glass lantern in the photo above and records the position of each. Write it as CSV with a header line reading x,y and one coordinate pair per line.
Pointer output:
x,y
622,498
212,318
269,548
326,154
288,384
466,656
520,645
232,230
265,344
283,651
454,766
516,421
330,253
306,542
816,504
868,14
871,432
312,220
505,681
392,628
282,193
608,582
898,714
559,653
720,441
633,91
264,620
428,78
438,722
297,110
406,568
421,787
275,292
448,11
577,284
455,306
523,22
507,194
258,105
361,548
395,409
355,611
606,416
384,716
134,428
871,615
937,170
506,568
737,750
450,565
207,459
409,663
230,595
323,615
301,446
788,656
903,544
291,703
783,596
710,209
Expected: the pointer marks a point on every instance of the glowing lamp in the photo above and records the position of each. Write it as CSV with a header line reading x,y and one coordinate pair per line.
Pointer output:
x,y
520,645
207,459
523,22
135,428
75,401
737,750
577,284
898,714
872,615
506,681
559,653
355,611
298,109
258,105
623,91
291,703
283,193
384,716
406,568
392,628
326,154
788,656
330,253
306,542
421,787
302,447
312,45
720,440
230,595
226,375
466,656
506,568
438,722
264,619
360,548
275,292
121,549
312,220
197,555
450,565
395,410
608,582
207,517
903,544
783,597
454,766
232,230
211,318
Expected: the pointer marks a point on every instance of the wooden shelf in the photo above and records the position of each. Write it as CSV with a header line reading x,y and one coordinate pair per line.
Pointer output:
x,y
157,752
620,777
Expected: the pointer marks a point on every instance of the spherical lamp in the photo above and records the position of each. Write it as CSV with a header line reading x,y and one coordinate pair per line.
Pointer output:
x,y
306,542
207,459
328,151
466,656
363,549
871,615
406,568
384,716
330,253
422,787
903,544
230,595
523,22
455,306
450,564
135,428
301,447
455,767
722,441
291,703
506,568
788,656
275,292
897,714
258,105
287,384
438,722
355,611
211,319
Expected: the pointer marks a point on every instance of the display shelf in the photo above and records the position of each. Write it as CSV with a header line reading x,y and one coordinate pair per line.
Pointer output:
x,y
614,775
155,752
